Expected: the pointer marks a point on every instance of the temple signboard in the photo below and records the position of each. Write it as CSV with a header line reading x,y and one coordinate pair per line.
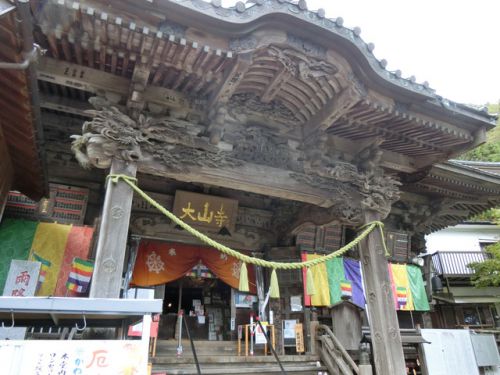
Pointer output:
x,y
206,211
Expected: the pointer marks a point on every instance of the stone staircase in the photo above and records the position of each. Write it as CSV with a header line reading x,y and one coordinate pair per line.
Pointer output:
x,y
221,357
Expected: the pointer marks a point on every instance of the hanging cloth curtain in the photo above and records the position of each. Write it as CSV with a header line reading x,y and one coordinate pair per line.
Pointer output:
x,y
352,269
49,243
401,287
320,277
335,270
162,262
417,288
16,237
77,246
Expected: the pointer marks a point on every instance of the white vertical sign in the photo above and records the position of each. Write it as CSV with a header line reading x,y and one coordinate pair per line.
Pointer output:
x,y
22,278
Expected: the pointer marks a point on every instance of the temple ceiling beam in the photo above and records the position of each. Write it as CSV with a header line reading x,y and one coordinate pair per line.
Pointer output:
x,y
113,87
334,109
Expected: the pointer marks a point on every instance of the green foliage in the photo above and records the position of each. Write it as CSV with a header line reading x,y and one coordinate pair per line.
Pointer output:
x,y
492,215
489,151
487,273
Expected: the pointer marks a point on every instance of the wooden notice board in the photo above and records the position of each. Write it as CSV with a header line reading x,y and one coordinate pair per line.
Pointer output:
x,y
299,338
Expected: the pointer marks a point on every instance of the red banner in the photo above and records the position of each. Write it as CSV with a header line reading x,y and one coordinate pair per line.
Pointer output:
x,y
162,262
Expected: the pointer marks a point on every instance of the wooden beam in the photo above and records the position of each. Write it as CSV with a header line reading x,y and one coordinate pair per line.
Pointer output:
x,y
113,233
66,105
335,108
80,77
231,80
252,178
274,86
98,82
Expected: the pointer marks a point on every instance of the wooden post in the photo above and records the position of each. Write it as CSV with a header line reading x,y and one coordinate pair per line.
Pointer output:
x,y
384,326
111,245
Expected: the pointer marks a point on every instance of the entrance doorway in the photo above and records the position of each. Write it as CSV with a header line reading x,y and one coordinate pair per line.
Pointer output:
x,y
206,303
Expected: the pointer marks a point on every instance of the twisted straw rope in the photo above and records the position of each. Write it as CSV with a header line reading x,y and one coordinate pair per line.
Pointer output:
x,y
132,182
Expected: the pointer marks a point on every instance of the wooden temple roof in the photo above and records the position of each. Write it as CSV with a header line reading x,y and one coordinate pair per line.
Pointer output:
x,y
313,73
17,116
270,64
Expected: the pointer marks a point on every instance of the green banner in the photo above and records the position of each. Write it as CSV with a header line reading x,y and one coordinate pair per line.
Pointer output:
x,y
335,271
16,237
417,288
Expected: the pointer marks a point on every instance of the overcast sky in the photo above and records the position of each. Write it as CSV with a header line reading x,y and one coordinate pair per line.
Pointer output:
x,y
452,44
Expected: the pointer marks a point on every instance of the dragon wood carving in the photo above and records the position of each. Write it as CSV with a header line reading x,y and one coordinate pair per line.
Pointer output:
x,y
112,134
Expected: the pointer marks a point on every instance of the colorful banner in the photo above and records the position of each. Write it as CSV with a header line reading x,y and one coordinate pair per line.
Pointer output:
x,y
352,269
77,246
320,277
417,288
55,243
335,270
401,287
16,237
44,268
80,275
346,288
49,243
344,280
162,262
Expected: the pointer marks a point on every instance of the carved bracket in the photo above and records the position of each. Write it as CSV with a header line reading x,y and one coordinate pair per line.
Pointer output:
x,y
112,134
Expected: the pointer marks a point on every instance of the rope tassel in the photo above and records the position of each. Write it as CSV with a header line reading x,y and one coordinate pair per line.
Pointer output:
x,y
243,286
274,288
311,288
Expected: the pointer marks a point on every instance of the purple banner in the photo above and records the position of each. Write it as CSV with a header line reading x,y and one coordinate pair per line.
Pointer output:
x,y
352,270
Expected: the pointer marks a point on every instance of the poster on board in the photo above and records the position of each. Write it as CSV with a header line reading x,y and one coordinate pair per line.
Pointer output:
x,y
104,357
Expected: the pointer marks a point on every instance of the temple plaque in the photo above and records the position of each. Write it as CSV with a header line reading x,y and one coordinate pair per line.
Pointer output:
x,y
206,211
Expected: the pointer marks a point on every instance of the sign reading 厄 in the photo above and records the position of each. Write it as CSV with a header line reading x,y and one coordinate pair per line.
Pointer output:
x,y
206,211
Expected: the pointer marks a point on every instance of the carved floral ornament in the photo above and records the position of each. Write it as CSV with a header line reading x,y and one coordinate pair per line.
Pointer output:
x,y
356,183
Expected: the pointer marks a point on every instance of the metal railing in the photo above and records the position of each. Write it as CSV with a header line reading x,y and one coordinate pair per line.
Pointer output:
x,y
272,348
179,347
456,263
333,354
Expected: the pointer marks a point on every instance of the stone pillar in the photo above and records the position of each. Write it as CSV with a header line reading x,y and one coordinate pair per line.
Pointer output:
x,y
113,232
384,327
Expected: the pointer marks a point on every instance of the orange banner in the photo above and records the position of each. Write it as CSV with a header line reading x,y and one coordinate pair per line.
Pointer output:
x,y
77,246
162,262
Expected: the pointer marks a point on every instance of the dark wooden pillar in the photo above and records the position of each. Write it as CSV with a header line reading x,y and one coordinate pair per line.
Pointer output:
x,y
384,326
112,242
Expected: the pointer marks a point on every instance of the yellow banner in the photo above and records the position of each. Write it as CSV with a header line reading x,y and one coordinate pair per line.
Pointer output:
x,y
49,243
320,276
400,280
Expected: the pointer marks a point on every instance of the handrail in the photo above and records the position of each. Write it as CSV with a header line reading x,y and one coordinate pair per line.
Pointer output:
x,y
337,345
456,263
272,347
192,347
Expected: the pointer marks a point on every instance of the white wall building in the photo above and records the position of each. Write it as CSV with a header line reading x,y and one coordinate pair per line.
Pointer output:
x,y
463,237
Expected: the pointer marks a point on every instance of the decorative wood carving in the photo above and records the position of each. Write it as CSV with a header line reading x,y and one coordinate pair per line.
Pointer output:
x,y
246,104
354,184
260,146
113,134
360,180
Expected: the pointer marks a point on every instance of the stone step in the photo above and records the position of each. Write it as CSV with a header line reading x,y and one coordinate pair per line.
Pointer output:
x,y
242,369
228,359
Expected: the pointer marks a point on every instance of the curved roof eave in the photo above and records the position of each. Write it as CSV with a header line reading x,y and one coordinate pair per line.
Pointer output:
x,y
328,32
294,17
